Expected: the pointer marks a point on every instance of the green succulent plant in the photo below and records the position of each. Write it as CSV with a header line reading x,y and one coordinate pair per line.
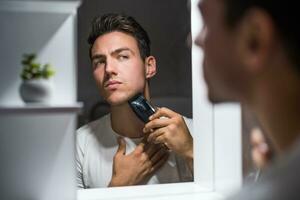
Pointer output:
x,y
34,70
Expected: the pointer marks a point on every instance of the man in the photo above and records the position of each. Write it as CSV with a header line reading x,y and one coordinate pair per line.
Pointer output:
x,y
113,150
250,56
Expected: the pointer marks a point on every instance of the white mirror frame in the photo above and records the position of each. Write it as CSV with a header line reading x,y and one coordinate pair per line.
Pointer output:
x,y
217,149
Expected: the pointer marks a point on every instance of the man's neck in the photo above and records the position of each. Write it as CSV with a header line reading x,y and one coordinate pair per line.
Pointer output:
x,y
278,108
125,122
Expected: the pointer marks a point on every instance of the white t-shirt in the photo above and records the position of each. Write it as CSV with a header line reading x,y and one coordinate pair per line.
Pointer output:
x,y
96,145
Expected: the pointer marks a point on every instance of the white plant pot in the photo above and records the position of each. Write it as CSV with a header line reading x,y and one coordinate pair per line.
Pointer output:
x,y
37,91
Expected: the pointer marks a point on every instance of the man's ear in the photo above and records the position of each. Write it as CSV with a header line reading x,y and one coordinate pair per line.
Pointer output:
x,y
150,64
256,38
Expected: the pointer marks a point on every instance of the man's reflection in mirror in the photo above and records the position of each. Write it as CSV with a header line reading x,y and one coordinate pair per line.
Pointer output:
x,y
118,149
259,150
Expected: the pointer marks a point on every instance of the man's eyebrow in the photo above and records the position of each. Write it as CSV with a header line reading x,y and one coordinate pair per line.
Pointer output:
x,y
116,51
97,56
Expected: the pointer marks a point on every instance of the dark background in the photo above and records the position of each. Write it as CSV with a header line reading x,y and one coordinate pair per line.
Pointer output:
x,y
168,24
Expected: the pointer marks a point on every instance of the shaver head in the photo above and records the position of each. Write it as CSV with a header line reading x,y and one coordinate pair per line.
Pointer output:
x,y
141,107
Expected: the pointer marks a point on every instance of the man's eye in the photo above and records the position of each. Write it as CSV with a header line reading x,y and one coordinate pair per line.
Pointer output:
x,y
98,63
122,57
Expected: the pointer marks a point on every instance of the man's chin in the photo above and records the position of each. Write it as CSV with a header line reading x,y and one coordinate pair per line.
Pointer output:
x,y
116,100
119,98
216,99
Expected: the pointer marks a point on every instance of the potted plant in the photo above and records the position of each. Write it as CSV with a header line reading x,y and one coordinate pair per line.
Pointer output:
x,y
36,85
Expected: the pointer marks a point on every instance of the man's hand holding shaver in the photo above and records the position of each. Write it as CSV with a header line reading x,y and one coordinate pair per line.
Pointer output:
x,y
169,128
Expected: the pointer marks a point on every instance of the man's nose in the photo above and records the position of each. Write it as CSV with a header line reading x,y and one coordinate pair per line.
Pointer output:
x,y
110,67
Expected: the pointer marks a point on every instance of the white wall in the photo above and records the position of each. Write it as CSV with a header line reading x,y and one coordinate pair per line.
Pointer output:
x,y
37,141
48,34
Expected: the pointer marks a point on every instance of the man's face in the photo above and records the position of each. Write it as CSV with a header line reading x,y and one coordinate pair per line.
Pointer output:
x,y
221,64
118,67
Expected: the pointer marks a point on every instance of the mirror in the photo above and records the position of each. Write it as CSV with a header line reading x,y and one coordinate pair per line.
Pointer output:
x,y
171,87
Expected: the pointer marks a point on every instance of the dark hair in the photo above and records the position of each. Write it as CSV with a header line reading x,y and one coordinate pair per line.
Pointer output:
x,y
285,16
119,22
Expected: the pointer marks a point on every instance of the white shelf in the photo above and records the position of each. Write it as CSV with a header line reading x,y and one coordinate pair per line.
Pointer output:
x,y
178,191
63,7
40,108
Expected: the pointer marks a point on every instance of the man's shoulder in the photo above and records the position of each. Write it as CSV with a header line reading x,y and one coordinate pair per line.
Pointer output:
x,y
91,127
279,182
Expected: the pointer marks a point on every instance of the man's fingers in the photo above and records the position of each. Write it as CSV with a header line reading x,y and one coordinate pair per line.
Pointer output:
x,y
258,141
160,140
257,137
139,148
163,112
152,136
151,149
122,146
160,162
156,123
158,155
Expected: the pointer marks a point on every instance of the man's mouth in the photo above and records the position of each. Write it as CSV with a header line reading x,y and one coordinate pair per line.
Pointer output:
x,y
112,84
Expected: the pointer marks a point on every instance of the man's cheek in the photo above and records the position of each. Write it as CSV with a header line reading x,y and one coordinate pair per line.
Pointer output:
x,y
139,84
